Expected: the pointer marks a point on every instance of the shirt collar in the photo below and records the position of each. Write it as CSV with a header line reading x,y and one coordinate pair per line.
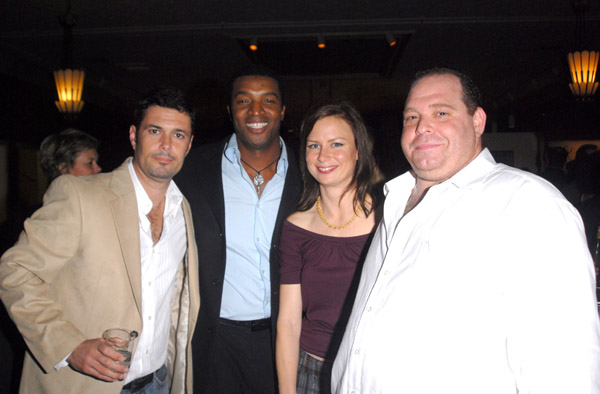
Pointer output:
x,y
232,153
471,174
173,196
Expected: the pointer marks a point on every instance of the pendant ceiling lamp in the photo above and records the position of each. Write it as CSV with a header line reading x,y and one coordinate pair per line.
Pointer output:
x,y
583,64
69,85
69,81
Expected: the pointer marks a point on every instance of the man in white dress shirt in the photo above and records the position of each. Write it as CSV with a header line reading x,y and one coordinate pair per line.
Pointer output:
x,y
112,250
478,279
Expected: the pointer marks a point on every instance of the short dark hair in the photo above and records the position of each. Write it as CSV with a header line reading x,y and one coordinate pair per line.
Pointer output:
x,y
471,95
556,156
364,173
258,71
591,174
59,151
585,150
166,97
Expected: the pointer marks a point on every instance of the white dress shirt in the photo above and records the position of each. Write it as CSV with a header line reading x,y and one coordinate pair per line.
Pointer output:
x,y
160,262
486,286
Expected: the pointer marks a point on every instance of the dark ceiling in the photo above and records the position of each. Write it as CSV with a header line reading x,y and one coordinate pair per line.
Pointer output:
x,y
514,49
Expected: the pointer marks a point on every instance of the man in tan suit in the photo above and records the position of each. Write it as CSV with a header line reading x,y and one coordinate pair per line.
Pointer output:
x,y
112,250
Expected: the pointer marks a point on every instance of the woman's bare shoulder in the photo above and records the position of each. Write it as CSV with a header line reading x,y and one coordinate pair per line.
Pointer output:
x,y
301,219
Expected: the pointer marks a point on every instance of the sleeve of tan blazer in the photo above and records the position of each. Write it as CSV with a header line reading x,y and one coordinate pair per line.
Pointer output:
x,y
43,252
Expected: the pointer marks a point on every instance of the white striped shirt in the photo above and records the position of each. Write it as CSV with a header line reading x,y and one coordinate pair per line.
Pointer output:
x,y
159,264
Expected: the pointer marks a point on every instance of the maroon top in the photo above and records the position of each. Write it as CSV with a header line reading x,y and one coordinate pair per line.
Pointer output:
x,y
328,270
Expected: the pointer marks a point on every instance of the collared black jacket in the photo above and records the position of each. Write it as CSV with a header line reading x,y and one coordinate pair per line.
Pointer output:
x,y
201,182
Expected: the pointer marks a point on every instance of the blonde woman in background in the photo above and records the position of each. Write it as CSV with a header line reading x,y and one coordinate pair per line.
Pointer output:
x,y
69,152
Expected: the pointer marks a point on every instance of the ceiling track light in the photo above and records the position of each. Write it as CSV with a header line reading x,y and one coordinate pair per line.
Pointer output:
x,y
253,44
391,40
320,41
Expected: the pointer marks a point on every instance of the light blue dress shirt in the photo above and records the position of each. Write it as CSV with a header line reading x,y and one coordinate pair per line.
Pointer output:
x,y
249,224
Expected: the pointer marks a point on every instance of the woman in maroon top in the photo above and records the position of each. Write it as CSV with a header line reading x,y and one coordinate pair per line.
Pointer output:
x,y
322,246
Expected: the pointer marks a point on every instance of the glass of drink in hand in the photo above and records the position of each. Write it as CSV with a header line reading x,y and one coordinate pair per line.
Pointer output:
x,y
122,341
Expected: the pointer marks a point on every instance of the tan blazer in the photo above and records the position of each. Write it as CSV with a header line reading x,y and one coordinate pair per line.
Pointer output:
x,y
75,271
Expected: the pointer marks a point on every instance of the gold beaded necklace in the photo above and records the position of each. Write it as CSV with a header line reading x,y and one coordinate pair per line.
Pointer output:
x,y
341,226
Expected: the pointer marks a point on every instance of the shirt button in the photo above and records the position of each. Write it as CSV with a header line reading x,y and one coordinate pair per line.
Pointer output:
x,y
149,283
369,309
386,272
257,239
147,351
149,317
356,351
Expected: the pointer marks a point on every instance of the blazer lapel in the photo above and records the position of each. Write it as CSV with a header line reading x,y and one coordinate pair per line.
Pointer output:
x,y
191,264
125,216
289,196
210,181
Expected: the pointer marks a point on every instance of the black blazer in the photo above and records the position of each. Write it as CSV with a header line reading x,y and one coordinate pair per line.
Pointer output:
x,y
201,182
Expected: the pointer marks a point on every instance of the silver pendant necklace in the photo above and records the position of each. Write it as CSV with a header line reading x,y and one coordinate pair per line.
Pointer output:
x,y
258,178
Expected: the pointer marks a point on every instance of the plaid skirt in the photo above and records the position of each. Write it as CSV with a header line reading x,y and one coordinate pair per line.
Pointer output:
x,y
314,376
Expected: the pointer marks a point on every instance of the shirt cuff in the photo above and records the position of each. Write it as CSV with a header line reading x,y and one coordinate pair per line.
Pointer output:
x,y
63,363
